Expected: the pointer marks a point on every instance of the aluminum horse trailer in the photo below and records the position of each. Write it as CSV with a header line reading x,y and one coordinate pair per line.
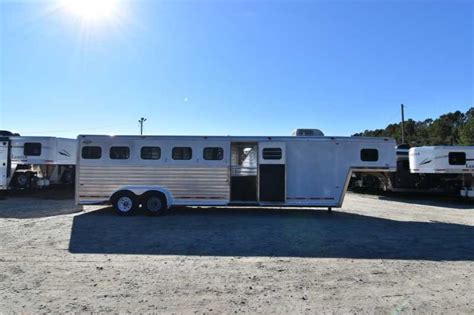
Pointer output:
x,y
27,162
158,172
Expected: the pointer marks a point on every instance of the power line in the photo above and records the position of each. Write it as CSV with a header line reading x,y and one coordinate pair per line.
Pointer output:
x,y
392,118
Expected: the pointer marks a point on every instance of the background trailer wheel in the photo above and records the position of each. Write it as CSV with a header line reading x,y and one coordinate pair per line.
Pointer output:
x,y
125,203
22,180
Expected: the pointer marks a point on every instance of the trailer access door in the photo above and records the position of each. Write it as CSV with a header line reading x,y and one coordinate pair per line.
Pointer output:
x,y
272,171
244,172
4,162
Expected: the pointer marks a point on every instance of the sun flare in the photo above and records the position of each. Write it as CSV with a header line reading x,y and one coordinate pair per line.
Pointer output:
x,y
92,10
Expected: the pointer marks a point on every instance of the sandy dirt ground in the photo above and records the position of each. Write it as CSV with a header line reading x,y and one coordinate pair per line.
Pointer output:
x,y
376,254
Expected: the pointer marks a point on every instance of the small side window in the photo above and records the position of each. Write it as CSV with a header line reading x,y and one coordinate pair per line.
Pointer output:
x,y
369,155
32,149
91,152
271,153
119,153
213,153
150,153
457,158
182,153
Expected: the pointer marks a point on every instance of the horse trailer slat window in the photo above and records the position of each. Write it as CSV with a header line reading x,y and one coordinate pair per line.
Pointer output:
x,y
211,153
91,152
182,153
150,153
119,153
272,153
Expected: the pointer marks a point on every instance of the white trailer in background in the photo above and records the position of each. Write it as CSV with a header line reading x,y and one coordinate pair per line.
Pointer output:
x,y
442,160
157,172
445,170
453,165
27,162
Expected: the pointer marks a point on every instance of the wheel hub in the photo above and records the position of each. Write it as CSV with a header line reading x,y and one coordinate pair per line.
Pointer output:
x,y
124,204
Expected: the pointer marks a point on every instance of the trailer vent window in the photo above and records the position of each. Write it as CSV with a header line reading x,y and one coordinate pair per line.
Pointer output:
x,y
32,149
119,153
182,153
213,153
457,158
369,155
271,153
91,152
150,153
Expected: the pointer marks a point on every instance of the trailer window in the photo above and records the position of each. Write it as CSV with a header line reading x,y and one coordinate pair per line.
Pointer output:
x,y
271,153
457,158
119,153
32,149
182,153
213,153
150,153
369,155
91,152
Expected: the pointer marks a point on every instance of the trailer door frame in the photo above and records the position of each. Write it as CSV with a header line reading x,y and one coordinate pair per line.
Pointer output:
x,y
272,172
5,162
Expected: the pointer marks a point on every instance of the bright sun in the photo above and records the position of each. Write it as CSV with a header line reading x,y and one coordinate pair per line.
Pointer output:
x,y
92,10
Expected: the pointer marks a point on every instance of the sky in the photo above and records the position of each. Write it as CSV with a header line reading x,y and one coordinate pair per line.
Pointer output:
x,y
232,67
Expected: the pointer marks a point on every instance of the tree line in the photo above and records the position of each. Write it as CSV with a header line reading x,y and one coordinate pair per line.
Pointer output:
x,y
449,129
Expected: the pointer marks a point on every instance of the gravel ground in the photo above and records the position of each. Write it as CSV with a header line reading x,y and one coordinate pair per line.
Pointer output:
x,y
376,254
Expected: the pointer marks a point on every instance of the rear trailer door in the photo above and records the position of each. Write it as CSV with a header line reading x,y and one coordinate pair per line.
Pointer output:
x,y
272,171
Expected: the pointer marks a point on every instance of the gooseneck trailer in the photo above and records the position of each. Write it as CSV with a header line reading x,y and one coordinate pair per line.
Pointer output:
x,y
27,162
158,172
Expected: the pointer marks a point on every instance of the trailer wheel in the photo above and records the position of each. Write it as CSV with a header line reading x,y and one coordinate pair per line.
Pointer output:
x,y
21,180
125,203
154,203
67,178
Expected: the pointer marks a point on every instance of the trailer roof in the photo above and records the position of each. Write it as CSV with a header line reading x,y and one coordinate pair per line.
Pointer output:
x,y
234,138
444,147
38,138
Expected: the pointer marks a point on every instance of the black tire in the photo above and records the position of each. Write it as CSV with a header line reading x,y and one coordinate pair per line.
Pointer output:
x,y
125,203
67,178
154,203
22,180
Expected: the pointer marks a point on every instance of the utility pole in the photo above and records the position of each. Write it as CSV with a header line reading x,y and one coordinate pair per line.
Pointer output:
x,y
141,121
403,123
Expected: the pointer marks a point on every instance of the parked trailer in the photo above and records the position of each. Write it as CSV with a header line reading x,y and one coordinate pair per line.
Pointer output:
x,y
27,162
158,172
440,169
450,166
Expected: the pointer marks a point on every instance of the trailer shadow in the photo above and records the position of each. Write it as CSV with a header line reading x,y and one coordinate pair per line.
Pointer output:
x,y
263,232
54,192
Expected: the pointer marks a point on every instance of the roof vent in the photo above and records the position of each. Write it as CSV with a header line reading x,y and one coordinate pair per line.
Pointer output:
x,y
307,133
